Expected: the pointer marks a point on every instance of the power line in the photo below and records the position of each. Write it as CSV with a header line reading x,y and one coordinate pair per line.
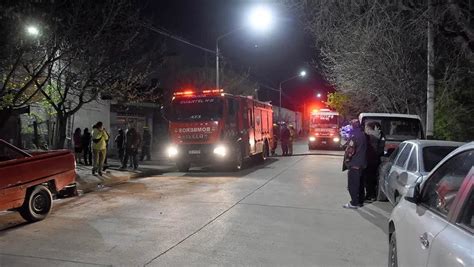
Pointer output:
x,y
177,38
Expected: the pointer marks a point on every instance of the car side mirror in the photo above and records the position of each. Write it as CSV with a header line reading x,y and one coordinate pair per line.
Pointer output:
x,y
413,194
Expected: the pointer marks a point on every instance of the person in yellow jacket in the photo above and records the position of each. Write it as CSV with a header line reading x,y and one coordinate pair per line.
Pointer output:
x,y
99,147
292,139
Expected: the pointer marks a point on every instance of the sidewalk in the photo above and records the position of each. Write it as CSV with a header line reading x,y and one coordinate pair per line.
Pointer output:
x,y
86,182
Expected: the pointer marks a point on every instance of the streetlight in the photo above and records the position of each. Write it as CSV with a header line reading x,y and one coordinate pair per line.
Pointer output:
x,y
318,95
302,74
32,30
260,18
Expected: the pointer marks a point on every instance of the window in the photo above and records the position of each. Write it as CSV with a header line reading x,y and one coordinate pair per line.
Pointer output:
x,y
395,153
398,129
442,187
232,108
432,155
404,155
467,212
197,109
412,161
9,153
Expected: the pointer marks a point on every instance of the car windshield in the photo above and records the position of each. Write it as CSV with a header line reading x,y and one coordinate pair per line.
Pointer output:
x,y
197,109
399,129
432,155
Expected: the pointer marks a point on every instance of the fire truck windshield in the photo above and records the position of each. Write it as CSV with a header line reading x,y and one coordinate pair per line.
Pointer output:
x,y
324,120
196,109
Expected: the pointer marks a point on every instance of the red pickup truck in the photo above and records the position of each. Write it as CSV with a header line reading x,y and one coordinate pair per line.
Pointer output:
x,y
28,181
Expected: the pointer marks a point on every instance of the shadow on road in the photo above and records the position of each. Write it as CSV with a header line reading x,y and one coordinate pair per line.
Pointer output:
x,y
376,218
213,171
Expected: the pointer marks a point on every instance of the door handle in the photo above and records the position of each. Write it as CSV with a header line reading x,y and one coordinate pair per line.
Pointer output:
x,y
424,241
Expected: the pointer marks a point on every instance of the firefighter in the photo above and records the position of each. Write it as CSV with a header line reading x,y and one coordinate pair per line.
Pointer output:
x,y
284,139
275,139
292,139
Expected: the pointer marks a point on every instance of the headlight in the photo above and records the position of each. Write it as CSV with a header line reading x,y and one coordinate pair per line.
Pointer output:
x,y
336,139
172,151
312,138
220,151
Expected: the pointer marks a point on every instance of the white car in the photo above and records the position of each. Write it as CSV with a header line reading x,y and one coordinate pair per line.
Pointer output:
x,y
410,160
433,225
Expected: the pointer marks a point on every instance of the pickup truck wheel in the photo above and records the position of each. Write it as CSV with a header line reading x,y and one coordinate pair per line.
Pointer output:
x,y
38,204
183,166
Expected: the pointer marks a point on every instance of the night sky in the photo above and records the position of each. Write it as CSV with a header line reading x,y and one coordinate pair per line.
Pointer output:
x,y
271,56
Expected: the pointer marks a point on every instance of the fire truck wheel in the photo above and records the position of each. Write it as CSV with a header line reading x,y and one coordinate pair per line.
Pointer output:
x,y
183,166
264,155
239,160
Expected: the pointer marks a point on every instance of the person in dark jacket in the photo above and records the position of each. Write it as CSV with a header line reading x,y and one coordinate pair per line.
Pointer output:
x,y
276,130
86,145
132,143
77,145
375,149
120,144
284,139
355,161
146,145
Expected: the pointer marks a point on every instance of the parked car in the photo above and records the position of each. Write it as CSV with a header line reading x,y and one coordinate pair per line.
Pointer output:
x,y
433,225
28,181
410,160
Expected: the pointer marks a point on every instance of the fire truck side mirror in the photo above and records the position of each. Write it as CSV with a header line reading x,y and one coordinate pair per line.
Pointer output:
x,y
165,112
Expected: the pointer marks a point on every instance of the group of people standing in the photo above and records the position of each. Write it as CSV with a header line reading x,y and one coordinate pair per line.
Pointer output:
x,y
361,159
128,142
286,135
93,147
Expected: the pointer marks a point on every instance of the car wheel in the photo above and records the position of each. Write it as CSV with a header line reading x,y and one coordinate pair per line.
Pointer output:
x,y
392,251
38,204
183,166
380,195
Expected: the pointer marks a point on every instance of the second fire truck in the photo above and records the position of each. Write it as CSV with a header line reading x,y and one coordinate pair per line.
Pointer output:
x,y
211,126
324,129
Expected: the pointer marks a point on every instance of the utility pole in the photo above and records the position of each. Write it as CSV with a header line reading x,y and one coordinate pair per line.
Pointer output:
x,y
430,84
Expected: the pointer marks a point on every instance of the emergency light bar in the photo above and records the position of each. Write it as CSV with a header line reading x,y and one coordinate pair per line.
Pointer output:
x,y
192,93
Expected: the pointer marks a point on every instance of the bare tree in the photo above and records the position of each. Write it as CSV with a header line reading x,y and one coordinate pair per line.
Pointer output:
x,y
99,48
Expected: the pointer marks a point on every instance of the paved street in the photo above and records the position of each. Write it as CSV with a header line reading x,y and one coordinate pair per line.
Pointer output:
x,y
287,212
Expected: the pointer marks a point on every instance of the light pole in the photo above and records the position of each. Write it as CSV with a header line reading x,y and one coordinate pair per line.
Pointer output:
x,y
301,74
259,18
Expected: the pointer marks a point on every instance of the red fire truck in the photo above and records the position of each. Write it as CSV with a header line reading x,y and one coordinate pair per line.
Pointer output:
x,y
324,129
211,126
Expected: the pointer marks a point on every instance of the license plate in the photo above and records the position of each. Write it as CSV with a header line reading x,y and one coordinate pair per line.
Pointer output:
x,y
324,142
194,152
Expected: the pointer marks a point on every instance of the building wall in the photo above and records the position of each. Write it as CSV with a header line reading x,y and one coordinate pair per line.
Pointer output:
x,y
90,114
289,117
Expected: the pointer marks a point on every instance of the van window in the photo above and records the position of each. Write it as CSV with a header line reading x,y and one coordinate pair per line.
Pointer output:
x,y
398,129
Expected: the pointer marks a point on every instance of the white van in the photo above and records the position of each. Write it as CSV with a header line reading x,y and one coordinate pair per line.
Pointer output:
x,y
396,127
